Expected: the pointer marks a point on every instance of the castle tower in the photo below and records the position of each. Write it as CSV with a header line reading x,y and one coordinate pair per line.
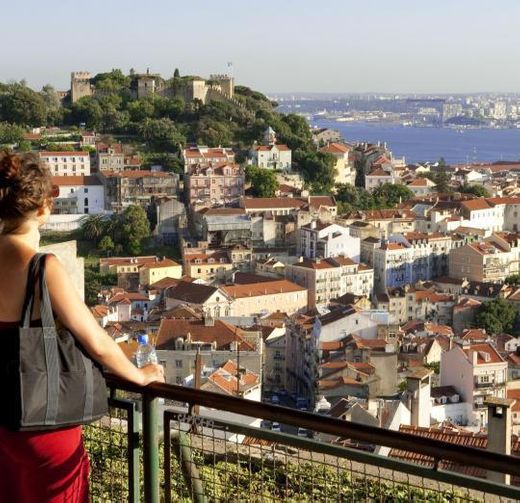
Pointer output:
x,y
80,85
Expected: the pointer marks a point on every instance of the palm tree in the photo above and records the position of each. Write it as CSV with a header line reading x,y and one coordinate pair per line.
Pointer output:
x,y
94,227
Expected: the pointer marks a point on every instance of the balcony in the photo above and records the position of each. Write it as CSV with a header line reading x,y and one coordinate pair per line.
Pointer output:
x,y
179,455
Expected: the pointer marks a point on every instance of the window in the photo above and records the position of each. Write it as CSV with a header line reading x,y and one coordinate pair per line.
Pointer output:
x,y
86,189
178,364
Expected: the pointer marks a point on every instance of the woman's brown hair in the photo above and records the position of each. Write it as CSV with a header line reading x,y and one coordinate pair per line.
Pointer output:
x,y
25,187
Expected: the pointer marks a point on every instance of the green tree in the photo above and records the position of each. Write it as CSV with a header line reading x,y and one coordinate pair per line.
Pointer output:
x,y
86,110
132,229
21,105
497,316
11,133
176,73
106,245
388,195
476,190
161,134
263,181
513,280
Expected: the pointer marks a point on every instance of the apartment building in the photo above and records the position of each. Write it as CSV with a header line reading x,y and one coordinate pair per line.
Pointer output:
x,y
78,195
66,163
179,341
491,260
206,156
129,187
266,297
384,222
328,279
110,157
409,258
212,185
406,304
477,372
324,240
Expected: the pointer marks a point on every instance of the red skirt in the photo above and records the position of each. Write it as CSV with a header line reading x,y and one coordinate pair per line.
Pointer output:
x,y
43,467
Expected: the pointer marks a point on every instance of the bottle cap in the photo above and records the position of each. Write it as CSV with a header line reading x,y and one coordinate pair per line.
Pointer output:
x,y
142,339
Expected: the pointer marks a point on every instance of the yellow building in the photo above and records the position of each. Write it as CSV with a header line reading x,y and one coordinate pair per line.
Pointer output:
x,y
208,265
155,271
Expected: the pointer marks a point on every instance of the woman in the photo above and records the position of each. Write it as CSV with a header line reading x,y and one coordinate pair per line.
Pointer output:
x,y
46,466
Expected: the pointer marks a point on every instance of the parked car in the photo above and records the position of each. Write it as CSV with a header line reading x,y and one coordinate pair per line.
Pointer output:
x,y
276,427
303,432
265,424
301,402
275,399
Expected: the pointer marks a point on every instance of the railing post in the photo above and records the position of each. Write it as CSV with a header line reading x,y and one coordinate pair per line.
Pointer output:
x,y
150,449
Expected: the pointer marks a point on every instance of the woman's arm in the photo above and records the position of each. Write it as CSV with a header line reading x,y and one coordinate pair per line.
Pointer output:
x,y
76,316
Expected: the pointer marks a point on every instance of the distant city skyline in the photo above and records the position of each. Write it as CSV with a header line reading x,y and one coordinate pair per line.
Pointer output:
x,y
295,46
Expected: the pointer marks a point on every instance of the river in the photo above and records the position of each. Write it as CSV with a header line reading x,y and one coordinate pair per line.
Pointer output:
x,y
418,144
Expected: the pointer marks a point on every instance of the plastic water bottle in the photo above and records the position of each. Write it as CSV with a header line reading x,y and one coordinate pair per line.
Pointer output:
x,y
145,353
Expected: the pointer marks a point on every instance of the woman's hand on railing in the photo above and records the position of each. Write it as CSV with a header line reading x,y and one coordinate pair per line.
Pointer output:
x,y
152,373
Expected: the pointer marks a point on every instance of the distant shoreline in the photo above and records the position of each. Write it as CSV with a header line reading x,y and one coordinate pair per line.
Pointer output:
x,y
418,144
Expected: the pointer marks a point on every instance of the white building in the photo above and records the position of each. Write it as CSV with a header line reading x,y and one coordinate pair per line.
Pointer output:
x,y
271,155
410,257
321,239
477,372
67,163
379,177
328,279
421,186
79,195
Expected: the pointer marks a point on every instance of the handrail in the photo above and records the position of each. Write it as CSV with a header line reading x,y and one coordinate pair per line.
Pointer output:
x,y
438,450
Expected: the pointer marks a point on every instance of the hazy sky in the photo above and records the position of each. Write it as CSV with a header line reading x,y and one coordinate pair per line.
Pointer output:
x,y
275,45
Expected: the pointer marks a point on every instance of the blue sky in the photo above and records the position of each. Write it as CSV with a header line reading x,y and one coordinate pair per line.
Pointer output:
x,y
284,45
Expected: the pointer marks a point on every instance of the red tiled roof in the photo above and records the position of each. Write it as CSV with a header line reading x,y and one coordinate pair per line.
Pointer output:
x,y
76,180
225,378
480,349
63,154
476,204
336,148
133,173
220,333
259,289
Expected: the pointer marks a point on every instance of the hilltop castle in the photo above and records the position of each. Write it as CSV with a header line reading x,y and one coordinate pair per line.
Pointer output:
x,y
216,88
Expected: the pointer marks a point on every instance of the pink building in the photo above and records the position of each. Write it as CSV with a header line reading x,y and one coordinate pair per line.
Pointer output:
x,y
214,185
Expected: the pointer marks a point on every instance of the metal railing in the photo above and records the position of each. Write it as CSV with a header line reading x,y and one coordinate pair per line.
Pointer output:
x,y
201,446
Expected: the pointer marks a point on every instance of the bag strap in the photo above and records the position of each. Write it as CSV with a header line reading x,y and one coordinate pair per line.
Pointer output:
x,y
30,293
46,313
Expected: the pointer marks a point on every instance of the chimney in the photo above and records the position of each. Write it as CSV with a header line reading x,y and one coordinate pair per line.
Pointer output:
x,y
499,432
418,388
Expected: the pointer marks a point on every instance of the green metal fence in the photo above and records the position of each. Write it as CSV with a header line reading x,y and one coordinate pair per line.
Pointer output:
x,y
215,455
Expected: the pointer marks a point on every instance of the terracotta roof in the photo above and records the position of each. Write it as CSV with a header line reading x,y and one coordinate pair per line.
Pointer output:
x,y
453,436
166,262
474,334
259,289
127,296
393,246
262,203
331,345
369,343
380,173
225,378
476,204
100,311
132,173
514,394
220,333
340,381
63,154
126,261
129,348
164,283
482,349
336,148
76,180
266,148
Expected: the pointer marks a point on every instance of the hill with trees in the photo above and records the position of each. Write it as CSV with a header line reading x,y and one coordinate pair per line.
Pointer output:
x,y
159,125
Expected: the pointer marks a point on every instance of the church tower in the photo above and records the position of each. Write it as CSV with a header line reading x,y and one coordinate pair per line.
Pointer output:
x,y
270,136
